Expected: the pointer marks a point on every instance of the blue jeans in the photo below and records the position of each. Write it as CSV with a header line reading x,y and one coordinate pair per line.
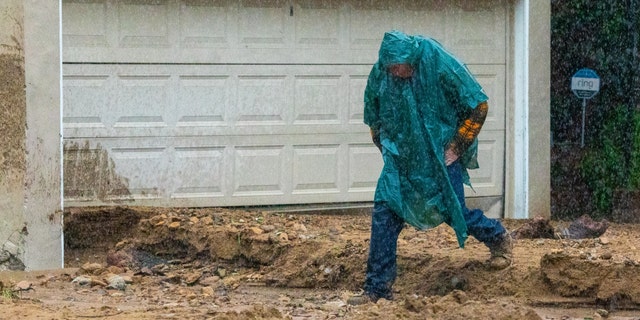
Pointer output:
x,y
386,227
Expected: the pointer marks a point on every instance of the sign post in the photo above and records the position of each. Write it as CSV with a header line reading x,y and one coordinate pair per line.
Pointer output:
x,y
585,84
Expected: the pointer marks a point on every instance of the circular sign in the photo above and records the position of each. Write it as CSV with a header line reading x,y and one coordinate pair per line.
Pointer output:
x,y
585,83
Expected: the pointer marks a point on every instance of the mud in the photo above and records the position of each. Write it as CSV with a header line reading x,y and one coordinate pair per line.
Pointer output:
x,y
89,174
12,147
150,263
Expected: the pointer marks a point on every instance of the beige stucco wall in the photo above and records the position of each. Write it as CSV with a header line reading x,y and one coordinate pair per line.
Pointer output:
x,y
527,166
30,205
539,162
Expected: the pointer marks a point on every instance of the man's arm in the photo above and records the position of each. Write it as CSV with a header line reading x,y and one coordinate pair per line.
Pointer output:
x,y
466,133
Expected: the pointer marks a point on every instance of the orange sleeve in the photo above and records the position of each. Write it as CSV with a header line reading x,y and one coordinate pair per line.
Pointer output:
x,y
469,129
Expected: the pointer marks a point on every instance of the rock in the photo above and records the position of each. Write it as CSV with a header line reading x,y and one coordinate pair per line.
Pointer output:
x,y
43,281
256,230
118,259
221,272
146,271
299,227
116,282
604,240
92,268
23,286
120,245
127,279
210,281
194,220
172,278
82,280
539,227
192,278
160,268
584,227
115,269
207,291
206,221
336,230
606,256
174,225
96,282
267,227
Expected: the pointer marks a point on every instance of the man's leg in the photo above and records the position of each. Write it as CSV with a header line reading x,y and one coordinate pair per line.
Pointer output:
x,y
381,265
486,230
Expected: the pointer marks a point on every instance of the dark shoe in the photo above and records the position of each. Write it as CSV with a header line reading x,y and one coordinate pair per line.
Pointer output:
x,y
359,299
501,252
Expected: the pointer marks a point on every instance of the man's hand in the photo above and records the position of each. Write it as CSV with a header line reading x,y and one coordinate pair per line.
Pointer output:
x,y
450,157
375,136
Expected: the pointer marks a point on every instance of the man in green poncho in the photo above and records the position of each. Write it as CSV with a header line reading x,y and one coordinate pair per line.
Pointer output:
x,y
425,110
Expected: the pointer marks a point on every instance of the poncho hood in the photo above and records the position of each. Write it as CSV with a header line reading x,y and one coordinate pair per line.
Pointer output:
x,y
398,48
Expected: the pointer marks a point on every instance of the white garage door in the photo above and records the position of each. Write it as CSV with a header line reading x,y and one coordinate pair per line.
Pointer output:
x,y
252,102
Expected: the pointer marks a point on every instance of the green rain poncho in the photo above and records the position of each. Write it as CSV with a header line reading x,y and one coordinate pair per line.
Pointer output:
x,y
416,119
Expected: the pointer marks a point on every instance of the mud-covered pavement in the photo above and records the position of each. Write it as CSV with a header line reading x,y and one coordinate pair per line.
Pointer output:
x,y
164,263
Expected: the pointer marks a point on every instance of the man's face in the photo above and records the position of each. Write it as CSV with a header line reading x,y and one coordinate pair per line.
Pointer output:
x,y
401,70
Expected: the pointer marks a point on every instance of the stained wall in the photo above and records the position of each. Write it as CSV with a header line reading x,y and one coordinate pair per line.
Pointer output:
x,y
30,200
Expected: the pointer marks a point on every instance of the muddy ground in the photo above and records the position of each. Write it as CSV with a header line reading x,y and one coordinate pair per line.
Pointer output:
x,y
167,263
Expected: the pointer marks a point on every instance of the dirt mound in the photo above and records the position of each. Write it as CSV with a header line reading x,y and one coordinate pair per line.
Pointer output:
x,y
454,306
237,264
602,280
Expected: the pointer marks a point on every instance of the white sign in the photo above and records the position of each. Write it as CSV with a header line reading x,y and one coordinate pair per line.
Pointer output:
x,y
585,83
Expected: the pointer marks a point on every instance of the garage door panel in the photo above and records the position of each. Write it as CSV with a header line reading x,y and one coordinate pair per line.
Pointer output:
x,y
263,23
492,79
203,100
142,101
143,168
167,100
246,109
364,33
488,179
312,16
271,32
152,31
85,97
426,17
258,170
199,172
317,99
364,162
262,99
478,27
91,30
316,169
205,24
357,84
